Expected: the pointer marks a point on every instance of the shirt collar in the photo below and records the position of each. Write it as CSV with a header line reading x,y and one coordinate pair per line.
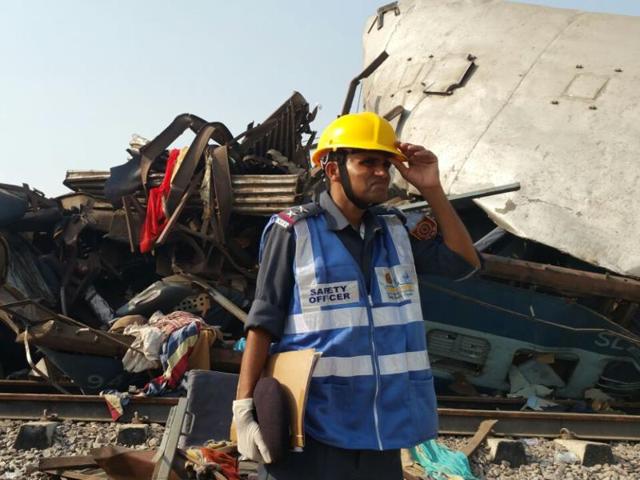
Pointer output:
x,y
336,220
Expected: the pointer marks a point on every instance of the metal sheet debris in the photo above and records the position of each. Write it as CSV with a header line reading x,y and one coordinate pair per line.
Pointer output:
x,y
552,103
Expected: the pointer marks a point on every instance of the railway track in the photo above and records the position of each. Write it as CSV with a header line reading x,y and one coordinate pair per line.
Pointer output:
x,y
86,408
453,421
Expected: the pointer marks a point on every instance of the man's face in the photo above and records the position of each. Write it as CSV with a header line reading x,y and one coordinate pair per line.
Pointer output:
x,y
369,175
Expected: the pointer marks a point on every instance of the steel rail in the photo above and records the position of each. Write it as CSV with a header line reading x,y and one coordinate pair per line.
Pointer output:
x,y
591,426
517,403
87,408
445,401
453,421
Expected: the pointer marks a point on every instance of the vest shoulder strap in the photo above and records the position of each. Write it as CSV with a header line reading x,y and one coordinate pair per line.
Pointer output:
x,y
289,217
387,210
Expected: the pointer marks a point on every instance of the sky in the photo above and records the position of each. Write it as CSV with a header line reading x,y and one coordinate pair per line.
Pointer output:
x,y
77,78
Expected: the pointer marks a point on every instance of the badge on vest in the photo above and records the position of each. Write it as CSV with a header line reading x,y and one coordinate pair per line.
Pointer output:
x,y
397,283
282,222
326,294
425,229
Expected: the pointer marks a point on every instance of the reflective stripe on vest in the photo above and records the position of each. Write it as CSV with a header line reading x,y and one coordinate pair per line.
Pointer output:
x,y
361,365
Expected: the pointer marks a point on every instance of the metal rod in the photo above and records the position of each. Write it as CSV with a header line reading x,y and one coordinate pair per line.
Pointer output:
x,y
463,197
489,239
346,108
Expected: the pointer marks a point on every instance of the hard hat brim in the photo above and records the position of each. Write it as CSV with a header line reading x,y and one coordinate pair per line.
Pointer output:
x,y
318,154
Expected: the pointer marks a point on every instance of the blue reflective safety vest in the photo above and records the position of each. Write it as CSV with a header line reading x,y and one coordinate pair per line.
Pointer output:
x,y
373,387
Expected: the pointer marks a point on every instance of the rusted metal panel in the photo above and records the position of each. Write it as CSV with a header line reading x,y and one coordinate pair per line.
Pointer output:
x,y
183,174
283,191
283,130
265,194
566,280
223,191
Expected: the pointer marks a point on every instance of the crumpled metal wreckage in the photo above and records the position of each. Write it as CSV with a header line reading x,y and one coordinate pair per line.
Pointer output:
x,y
72,265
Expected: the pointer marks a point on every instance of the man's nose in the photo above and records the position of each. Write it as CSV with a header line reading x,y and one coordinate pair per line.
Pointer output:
x,y
381,171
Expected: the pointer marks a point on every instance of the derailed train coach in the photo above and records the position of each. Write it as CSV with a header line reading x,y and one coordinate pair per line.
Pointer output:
x,y
507,92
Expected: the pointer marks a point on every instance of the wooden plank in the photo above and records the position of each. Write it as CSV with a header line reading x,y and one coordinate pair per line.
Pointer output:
x,y
414,472
484,429
75,461
85,474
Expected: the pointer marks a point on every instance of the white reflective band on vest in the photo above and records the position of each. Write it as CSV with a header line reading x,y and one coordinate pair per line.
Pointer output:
x,y
304,265
326,320
397,315
403,362
398,231
353,317
361,365
343,366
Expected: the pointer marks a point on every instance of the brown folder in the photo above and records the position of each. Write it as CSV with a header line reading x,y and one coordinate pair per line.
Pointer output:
x,y
293,370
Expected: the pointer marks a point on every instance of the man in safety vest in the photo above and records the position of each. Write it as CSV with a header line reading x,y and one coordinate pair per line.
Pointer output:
x,y
340,276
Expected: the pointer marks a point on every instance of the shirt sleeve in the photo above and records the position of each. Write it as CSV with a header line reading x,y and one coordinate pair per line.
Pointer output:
x,y
433,257
274,285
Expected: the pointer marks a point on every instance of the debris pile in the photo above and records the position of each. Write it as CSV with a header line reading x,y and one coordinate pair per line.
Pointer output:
x,y
133,277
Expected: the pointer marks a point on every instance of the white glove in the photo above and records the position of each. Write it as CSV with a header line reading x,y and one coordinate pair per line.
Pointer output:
x,y
250,441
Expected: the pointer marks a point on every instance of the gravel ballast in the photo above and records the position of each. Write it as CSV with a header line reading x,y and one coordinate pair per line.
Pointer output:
x,y
72,438
546,459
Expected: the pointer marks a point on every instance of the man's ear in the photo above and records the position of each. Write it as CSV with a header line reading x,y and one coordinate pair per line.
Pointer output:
x,y
331,171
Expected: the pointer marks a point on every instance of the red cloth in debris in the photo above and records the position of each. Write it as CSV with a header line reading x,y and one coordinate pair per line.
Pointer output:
x,y
228,464
155,219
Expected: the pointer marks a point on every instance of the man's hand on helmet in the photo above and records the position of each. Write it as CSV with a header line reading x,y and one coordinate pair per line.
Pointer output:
x,y
420,168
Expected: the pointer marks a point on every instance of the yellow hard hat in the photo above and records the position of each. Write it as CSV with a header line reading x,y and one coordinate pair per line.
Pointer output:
x,y
365,130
